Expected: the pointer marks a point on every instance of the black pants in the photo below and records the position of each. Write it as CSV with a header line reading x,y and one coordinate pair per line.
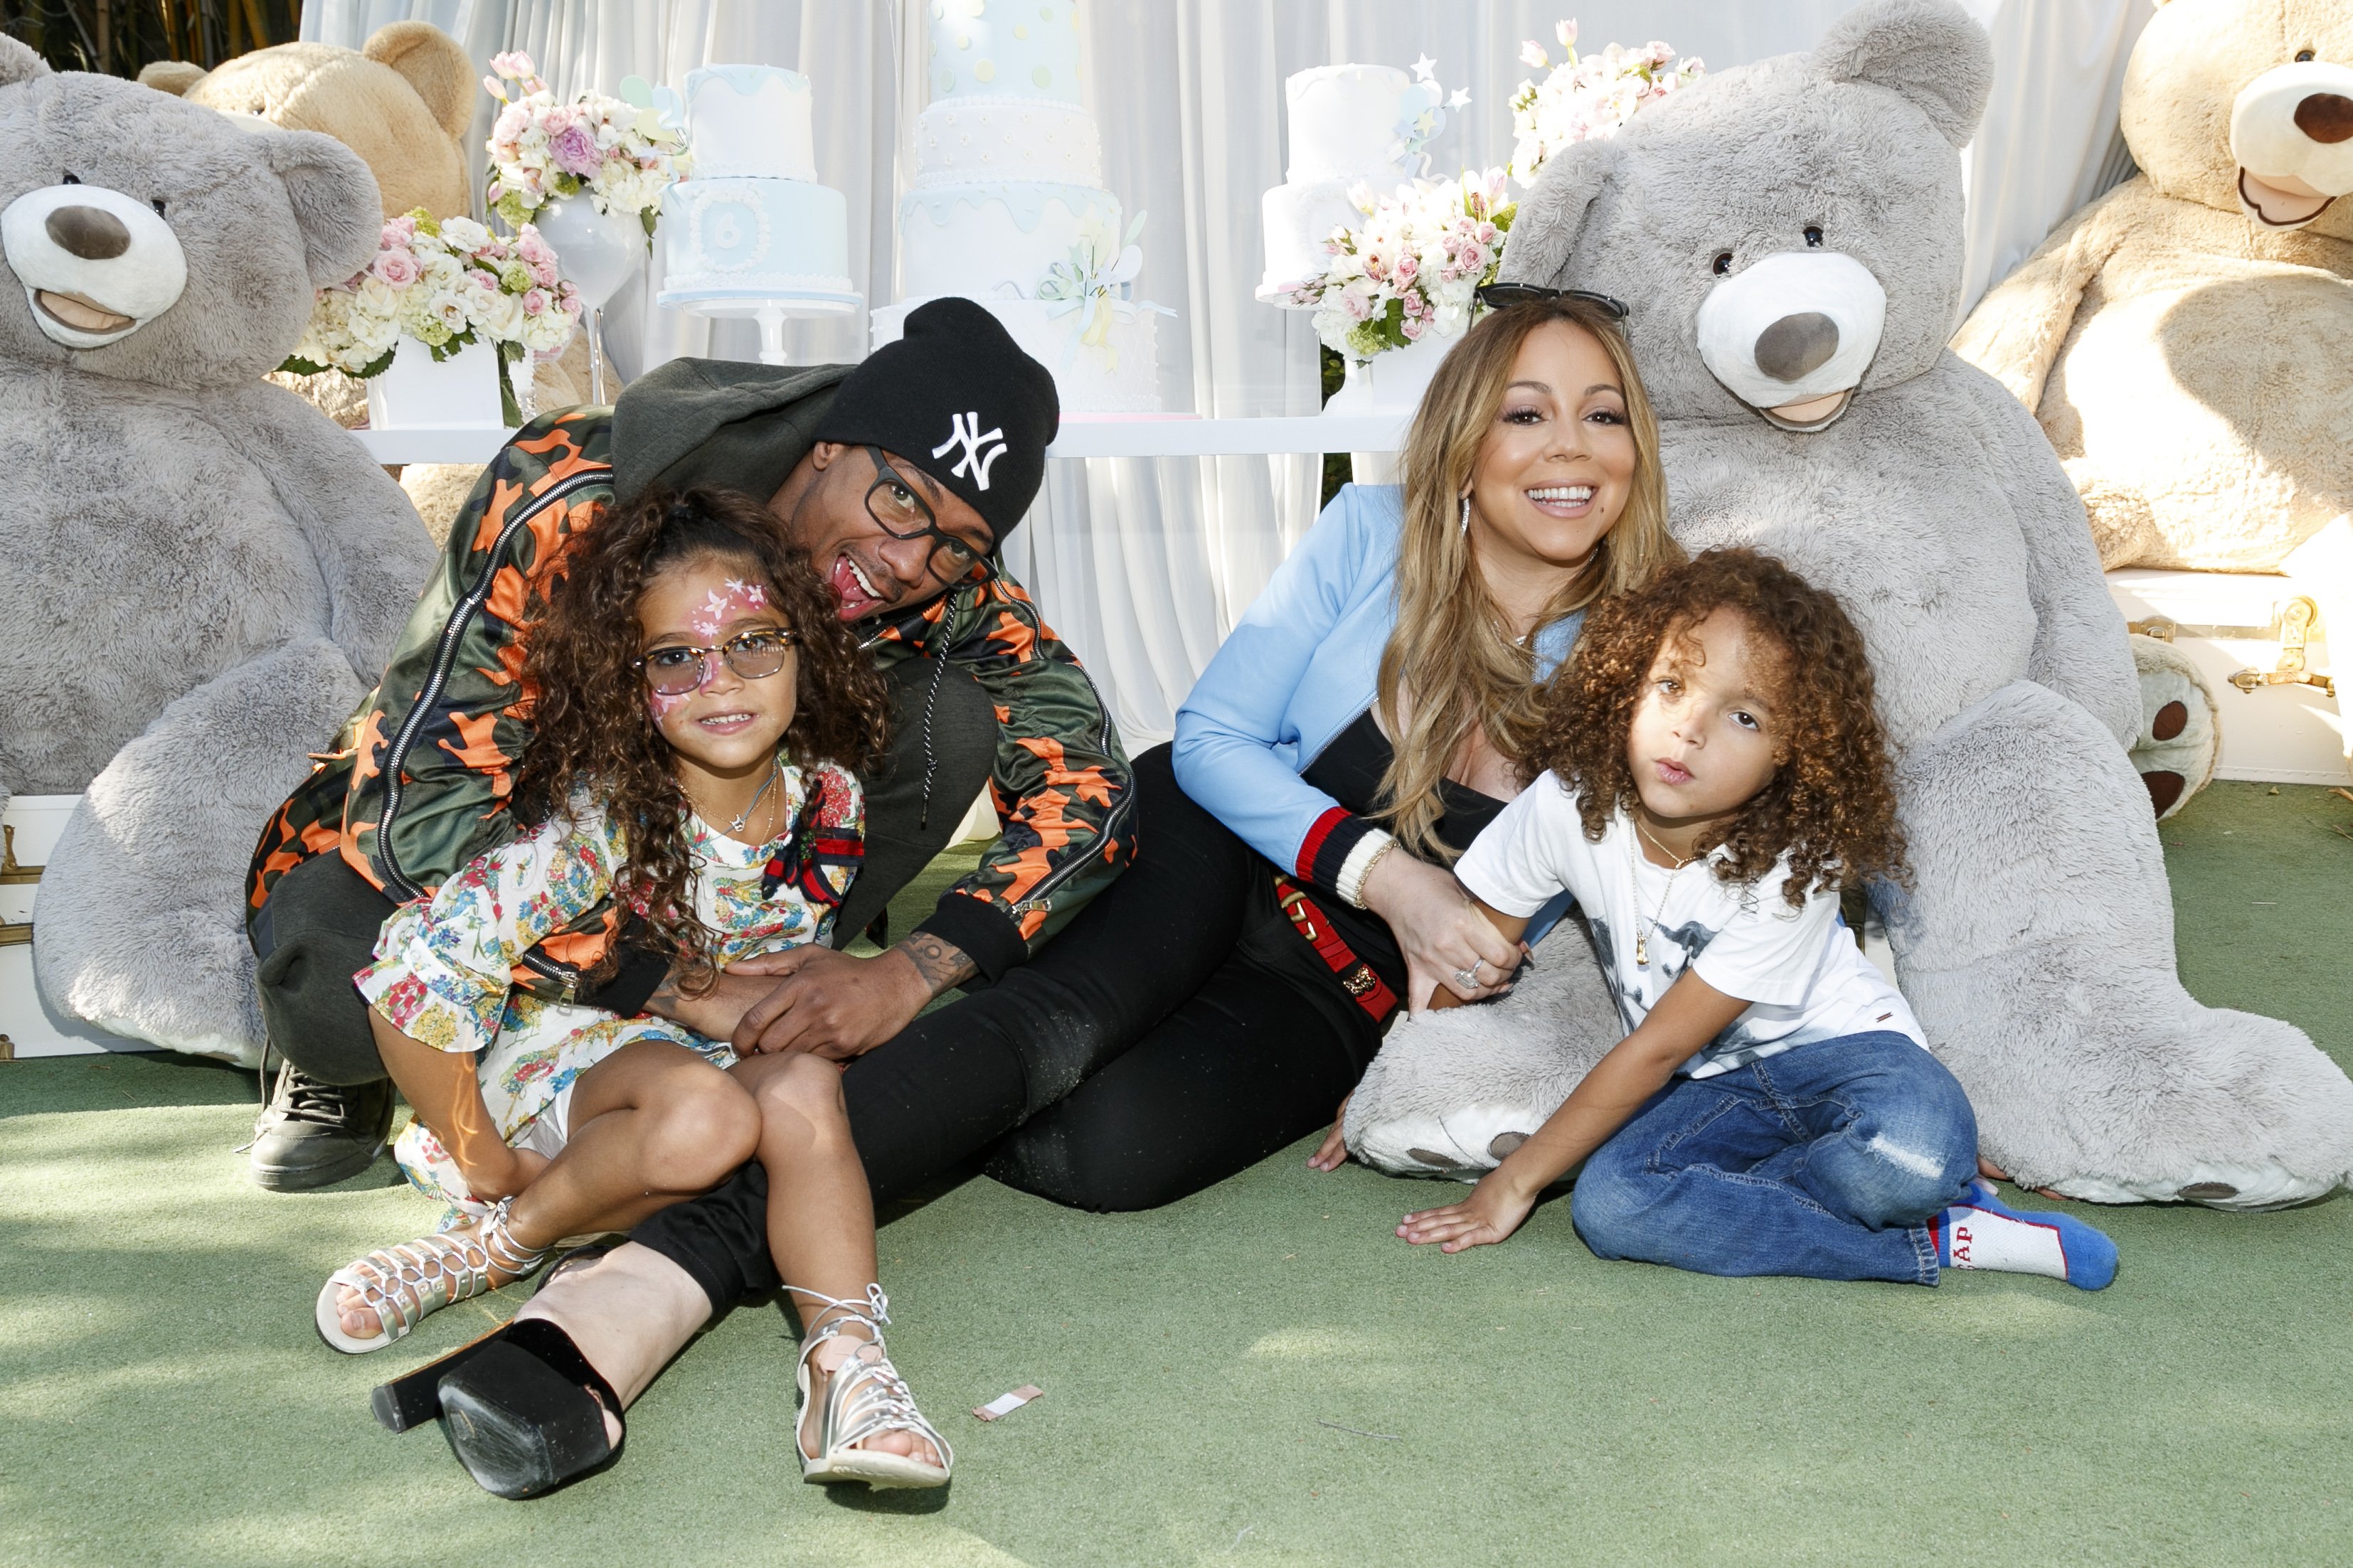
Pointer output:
x,y
1178,1030
320,925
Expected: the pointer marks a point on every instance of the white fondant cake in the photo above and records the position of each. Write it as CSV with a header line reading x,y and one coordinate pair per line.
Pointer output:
x,y
1120,374
753,223
1009,208
1348,124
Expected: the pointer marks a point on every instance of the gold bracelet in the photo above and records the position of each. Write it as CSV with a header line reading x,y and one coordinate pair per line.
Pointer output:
x,y
1355,896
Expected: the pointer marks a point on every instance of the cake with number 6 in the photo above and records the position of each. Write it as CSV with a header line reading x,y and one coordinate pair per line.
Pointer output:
x,y
752,223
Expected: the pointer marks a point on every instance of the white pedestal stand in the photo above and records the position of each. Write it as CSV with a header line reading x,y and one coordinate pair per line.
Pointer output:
x,y
770,311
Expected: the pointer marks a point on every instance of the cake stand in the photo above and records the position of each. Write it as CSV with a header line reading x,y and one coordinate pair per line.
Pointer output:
x,y
771,311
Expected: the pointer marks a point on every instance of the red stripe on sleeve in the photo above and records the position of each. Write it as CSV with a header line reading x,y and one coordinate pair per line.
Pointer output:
x,y
1314,841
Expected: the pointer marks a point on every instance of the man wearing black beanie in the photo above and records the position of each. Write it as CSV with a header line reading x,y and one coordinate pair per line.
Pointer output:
x,y
899,477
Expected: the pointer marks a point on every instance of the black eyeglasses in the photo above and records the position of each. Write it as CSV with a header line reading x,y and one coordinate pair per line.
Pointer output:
x,y
1497,296
676,670
892,502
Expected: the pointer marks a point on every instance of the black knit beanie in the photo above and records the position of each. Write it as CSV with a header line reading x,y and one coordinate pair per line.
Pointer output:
x,y
956,397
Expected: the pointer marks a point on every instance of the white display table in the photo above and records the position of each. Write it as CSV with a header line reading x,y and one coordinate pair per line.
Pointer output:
x,y
1168,437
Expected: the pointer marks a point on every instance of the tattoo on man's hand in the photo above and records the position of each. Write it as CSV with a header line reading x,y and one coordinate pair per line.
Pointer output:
x,y
943,964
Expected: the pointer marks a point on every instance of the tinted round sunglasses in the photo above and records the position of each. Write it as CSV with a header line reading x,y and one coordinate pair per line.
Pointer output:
x,y
1497,296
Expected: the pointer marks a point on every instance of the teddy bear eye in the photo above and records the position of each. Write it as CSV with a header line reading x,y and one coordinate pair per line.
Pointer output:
x,y
1722,262
2303,55
157,203
1813,237
72,179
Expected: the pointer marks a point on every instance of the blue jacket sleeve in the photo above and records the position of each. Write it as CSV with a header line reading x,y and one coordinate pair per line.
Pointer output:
x,y
1237,747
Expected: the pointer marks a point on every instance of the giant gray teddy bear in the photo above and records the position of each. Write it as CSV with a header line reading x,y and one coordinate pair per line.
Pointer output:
x,y
1789,235
199,574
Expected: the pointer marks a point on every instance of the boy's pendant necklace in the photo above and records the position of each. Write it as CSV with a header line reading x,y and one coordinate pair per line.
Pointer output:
x,y
1643,927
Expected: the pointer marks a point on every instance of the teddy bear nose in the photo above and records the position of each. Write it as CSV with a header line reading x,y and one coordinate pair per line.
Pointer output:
x,y
1794,346
91,233
2326,117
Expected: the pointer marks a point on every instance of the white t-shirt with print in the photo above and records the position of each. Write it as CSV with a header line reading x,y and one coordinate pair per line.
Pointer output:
x,y
1800,969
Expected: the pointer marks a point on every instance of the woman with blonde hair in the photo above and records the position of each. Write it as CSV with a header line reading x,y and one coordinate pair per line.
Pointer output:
x,y
1370,713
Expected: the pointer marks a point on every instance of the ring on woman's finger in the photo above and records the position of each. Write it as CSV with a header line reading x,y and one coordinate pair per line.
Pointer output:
x,y
1468,978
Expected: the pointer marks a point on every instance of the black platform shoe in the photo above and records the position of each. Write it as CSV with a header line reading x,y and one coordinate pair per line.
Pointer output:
x,y
526,1413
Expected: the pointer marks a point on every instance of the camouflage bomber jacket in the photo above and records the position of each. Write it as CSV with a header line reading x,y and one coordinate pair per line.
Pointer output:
x,y
418,784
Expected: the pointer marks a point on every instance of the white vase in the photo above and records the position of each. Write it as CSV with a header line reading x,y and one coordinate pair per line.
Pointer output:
x,y
598,252
1392,383
419,392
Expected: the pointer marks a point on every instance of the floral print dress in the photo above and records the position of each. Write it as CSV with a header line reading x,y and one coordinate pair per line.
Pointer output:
x,y
444,966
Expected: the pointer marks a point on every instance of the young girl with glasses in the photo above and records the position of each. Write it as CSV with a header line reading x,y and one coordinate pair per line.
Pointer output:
x,y
1713,773
698,712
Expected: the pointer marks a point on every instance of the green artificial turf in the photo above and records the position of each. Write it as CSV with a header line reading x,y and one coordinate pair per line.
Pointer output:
x,y
164,1399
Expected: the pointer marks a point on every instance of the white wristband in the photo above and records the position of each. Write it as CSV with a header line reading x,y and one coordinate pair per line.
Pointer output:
x,y
1350,883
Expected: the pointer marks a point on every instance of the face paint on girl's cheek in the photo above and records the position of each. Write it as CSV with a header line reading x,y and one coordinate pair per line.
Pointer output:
x,y
662,704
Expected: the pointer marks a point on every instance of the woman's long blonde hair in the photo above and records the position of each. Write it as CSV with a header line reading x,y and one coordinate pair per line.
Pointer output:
x,y
1453,649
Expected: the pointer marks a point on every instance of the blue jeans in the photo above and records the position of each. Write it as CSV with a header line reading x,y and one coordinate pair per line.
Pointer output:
x,y
1826,1161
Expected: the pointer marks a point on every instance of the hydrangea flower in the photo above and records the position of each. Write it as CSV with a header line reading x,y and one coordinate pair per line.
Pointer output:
x,y
1410,267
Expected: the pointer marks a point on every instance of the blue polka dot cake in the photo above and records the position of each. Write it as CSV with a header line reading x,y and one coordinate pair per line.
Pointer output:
x,y
1009,207
752,223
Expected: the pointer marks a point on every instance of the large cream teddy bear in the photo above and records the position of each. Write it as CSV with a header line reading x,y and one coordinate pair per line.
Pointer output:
x,y
1788,235
199,573
402,102
2187,339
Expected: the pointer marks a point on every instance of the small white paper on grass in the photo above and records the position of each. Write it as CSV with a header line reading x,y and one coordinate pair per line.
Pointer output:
x,y
1006,1404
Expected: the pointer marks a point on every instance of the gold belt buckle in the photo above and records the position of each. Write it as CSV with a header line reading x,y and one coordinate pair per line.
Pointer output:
x,y
1292,901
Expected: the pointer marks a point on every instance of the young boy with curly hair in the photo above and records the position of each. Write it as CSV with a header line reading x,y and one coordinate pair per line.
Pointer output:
x,y
1714,773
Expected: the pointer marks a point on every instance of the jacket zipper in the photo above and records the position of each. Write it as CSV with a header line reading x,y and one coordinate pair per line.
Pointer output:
x,y
1041,894
438,676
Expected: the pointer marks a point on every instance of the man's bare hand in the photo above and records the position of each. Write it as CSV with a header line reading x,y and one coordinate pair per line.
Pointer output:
x,y
837,1006
715,1012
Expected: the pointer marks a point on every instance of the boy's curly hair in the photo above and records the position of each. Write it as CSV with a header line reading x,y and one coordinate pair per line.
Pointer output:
x,y
591,726
1832,804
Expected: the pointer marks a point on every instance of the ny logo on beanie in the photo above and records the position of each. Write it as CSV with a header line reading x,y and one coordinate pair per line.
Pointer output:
x,y
978,455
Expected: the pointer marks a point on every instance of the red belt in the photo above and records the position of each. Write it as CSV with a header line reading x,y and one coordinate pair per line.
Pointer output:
x,y
1355,977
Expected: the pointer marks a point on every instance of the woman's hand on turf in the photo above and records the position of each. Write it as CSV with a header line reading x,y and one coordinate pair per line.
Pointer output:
x,y
1333,1153
1494,1209
1439,930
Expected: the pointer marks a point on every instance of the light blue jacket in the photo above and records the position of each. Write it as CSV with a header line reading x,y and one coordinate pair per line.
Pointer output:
x,y
1300,666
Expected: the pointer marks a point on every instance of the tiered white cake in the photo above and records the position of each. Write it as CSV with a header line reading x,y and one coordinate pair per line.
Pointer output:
x,y
1009,207
1349,124
752,223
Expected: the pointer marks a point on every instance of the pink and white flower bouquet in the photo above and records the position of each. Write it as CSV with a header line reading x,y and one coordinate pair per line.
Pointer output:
x,y
621,154
1410,268
448,283
1587,95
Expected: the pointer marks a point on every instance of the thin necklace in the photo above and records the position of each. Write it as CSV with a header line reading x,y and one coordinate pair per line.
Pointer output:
x,y
1643,927
775,770
1653,839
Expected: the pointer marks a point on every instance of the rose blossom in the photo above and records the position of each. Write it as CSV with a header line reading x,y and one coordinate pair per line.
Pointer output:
x,y
574,150
397,267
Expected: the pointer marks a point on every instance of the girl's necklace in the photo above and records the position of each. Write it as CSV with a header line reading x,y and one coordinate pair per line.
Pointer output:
x,y
775,771
1643,927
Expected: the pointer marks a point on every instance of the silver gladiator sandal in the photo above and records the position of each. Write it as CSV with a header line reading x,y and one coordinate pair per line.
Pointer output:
x,y
403,1284
864,1397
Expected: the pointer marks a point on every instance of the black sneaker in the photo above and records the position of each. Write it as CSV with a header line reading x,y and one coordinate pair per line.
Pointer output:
x,y
315,1135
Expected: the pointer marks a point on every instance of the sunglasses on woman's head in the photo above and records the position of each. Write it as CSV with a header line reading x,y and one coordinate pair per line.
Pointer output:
x,y
1498,296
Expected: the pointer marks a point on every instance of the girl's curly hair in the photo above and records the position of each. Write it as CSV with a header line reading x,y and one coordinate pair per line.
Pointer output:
x,y
592,729
1830,806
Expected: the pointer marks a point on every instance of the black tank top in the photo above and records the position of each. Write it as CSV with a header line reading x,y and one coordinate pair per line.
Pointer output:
x,y
1349,770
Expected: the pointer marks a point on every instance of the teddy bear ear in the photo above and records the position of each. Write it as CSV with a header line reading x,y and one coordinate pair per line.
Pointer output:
x,y
1545,230
174,76
1928,51
435,64
334,198
18,63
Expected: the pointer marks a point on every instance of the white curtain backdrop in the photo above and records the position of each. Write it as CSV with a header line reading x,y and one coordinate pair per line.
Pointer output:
x,y
1142,565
